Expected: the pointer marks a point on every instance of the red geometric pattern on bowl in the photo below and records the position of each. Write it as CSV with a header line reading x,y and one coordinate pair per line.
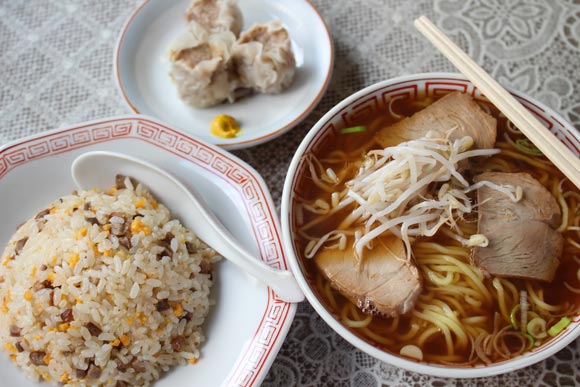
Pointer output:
x,y
380,99
265,230
362,105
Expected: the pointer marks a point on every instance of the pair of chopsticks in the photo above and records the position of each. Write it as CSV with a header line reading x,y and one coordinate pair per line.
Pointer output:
x,y
539,135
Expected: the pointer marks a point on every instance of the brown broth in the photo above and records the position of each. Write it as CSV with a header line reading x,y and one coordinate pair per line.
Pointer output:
x,y
554,293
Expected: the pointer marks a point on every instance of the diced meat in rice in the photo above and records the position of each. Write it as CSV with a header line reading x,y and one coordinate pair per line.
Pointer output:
x,y
104,288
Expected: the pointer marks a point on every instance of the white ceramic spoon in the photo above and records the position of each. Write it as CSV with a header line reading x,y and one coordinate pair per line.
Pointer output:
x,y
98,169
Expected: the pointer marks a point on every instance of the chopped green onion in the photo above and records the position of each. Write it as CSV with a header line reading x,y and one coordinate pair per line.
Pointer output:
x,y
559,326
537,328
513,316
532,341
353,129
526,146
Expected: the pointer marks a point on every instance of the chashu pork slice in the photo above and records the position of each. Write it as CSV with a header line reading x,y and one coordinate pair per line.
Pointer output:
x,y
523,242
454,116
383,283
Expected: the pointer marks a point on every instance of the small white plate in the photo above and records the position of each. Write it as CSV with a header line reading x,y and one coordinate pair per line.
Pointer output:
x,y
143,80
248,324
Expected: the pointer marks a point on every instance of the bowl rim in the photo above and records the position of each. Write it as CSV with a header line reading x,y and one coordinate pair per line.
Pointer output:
x,y
527,359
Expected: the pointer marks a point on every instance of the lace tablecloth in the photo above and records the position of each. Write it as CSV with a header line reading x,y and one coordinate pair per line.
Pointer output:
x,y
56,69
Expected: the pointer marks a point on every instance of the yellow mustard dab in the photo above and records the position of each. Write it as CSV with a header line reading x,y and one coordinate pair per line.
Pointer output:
x,y
224,126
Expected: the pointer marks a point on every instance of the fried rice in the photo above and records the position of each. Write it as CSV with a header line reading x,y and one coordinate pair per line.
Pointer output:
x,y
104,289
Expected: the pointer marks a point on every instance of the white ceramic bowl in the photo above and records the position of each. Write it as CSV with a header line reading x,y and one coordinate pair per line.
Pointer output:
x,y
347,113
248,324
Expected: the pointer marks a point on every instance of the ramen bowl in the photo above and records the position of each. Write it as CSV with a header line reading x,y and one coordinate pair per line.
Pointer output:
x,y
350,113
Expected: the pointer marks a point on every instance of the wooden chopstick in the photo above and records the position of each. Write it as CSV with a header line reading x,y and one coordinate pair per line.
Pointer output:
x,y
539,135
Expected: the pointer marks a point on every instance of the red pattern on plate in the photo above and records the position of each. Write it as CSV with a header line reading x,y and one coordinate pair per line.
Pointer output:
x,y
251,361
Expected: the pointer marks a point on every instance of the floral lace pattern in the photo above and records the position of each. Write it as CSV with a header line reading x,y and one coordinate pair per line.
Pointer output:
x,y
56,58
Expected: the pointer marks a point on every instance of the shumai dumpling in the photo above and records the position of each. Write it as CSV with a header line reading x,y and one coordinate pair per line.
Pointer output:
x,y
201,68
215,15
263,58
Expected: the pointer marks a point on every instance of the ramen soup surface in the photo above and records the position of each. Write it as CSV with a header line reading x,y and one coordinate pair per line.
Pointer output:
x,y
462,315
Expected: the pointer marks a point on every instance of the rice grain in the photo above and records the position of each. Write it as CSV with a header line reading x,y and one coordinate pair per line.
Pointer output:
x,y
85,299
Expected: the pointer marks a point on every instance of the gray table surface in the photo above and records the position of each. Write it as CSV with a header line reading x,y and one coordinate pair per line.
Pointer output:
x,y
56,69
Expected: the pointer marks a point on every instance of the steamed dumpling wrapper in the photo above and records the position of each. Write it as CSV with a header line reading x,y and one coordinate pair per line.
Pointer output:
x,y
215,16
210,67
263,58
201,68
